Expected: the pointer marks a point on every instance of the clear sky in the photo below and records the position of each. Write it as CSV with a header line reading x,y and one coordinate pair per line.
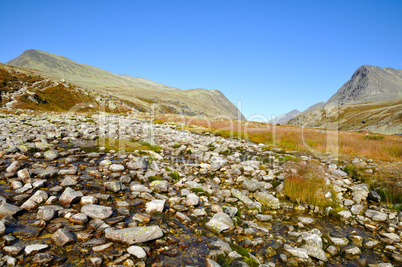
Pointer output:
x,y
274,56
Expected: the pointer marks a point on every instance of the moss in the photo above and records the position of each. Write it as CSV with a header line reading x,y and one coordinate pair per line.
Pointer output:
x,y
200,191
275,184
174,175
227,152
154,178
176,146
154,148
223,260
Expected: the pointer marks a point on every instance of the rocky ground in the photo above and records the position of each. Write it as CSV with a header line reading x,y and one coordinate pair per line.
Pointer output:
x,y
199,200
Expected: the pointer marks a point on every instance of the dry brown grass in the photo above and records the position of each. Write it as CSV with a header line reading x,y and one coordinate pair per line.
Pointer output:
x,y
347,144
307,185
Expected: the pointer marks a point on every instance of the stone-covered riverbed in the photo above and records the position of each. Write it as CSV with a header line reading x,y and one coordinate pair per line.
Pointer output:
x,y
192,199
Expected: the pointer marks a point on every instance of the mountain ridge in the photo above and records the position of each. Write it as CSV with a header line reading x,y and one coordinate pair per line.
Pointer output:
x,y
370,100
140,93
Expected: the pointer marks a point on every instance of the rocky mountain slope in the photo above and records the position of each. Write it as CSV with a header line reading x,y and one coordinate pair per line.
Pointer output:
x,y
371,100
379,117
138,93
369,84
282,119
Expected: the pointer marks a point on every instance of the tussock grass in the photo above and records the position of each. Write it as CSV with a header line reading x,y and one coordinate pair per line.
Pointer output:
x,y
307,185
347,144
384,180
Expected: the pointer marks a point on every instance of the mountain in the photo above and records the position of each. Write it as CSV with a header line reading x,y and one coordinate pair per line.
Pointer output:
x,y
138,93
314,107
369,84
371,100
282,119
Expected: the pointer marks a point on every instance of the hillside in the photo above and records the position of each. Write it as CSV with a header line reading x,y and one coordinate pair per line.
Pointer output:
x,y
380,117
282,119
138,93
369,84
371,100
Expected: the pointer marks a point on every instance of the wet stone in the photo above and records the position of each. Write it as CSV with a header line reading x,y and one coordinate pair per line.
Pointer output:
x,y
8,209
42,258
95,261
46,214
102,247
142,217
13,250
62,237
2,228
79,218
35,248
353,251
376,215
70,196
267,200
155,206
137,252
134,235
97,211
219,222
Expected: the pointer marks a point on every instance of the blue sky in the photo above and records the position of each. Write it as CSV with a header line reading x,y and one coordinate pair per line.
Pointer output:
x,y
274,56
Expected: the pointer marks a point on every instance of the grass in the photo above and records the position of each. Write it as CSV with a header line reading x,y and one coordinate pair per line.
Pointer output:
x,y
307,185
343,143
174,175
374,137
384,180
200,191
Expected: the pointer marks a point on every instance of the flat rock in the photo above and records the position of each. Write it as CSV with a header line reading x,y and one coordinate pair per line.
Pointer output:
x,y
134,235
219,222
116,168
159,186
376,215
243,198
70,196
2,228
62,237
267,200
137,252
339,241
8,209
251,185
42,258
97,211
297,252
192,199
155,206
35,248
51,155
391,237
353,251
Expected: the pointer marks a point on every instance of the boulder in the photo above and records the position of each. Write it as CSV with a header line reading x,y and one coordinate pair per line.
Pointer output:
x,y
219,222
267,200
62,237
97,211
134,235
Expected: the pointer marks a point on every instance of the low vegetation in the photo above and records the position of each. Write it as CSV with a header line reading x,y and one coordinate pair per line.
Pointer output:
x,y
305,183
384,180
347,145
